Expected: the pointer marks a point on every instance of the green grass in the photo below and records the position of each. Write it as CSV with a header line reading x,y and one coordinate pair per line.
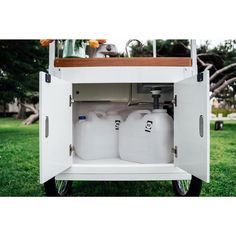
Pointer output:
x,y
19,167
19,159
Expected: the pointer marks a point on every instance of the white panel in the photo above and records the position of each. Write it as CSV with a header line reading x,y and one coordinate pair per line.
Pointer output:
x,y
125,177
118,92
101,92
124,74
54,107
118,166
117,169
192,149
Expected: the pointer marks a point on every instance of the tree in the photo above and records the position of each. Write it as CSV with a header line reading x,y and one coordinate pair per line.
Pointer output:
x,y
20,63
220,60
164,48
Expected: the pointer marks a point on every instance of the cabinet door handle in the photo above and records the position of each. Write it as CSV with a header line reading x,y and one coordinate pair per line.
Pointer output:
x,y
46,127
201,131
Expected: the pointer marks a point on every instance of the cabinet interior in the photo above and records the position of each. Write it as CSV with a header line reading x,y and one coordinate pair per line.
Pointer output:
x,y
122,97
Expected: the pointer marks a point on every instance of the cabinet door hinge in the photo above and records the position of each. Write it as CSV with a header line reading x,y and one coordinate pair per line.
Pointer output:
x,y
175,151
47,78
174,101
200,77
71,100
71,149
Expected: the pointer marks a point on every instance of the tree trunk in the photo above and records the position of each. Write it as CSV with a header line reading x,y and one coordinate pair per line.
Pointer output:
x,y
32,118
21,112
4,109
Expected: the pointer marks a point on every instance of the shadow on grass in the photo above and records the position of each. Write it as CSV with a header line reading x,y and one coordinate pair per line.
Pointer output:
x,y
122,188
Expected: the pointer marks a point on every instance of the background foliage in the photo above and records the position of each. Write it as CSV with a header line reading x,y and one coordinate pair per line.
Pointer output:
x,y
20,63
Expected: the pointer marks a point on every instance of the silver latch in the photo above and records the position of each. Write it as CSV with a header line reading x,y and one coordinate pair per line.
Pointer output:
x,y
174,101
71,100
175,151
71,149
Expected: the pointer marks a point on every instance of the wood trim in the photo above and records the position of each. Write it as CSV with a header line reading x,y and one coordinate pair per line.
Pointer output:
x,y
122,61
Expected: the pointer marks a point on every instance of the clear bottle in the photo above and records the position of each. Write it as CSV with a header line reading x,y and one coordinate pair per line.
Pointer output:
x,y
147,137
97,136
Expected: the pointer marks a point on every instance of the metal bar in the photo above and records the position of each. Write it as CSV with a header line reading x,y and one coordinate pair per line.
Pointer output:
x,y
194,55
154,48
52,48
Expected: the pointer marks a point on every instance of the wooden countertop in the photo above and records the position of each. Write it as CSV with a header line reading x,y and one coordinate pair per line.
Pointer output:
x,y
123,61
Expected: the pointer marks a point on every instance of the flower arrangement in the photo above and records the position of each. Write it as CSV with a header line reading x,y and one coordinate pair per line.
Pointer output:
x,y
93,43
77,47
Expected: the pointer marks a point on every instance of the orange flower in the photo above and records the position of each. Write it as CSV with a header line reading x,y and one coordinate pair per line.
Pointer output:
x,y
45,42
101,41
93,43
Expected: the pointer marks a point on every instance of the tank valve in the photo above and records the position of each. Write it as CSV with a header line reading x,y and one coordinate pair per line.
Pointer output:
x,y
156,94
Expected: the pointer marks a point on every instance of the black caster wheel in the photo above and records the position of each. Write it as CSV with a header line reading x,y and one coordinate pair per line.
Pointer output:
x,y
55,188
187,188
219,125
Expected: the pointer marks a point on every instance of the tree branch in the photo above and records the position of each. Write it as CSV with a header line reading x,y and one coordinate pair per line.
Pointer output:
x,y
221,71
221,81
207,65
186,47
32,108
208,54
225,84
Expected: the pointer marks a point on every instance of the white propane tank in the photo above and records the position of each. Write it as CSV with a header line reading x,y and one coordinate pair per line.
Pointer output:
x,y
96,135
147,137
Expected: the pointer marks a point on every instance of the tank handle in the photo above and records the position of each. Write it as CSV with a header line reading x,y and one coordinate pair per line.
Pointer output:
x,y
93,115
138,114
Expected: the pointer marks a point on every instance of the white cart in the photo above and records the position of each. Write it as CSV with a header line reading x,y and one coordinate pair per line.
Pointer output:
x,y
76,86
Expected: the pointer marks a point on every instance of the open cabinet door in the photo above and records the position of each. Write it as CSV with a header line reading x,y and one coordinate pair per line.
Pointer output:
x,y
191,125
55,126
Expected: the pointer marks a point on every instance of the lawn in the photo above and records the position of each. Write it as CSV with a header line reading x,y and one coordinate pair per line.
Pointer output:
x,y
19,167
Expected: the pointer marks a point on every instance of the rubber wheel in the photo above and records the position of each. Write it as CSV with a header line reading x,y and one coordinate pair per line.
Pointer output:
x,y
219,125
55,188
187,188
